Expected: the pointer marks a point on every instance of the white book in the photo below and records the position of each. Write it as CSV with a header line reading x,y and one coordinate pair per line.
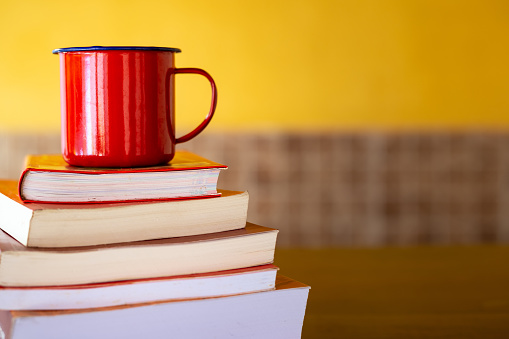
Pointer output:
x,y
205,285
271,314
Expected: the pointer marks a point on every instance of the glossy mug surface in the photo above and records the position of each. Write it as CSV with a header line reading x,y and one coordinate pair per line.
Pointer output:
x,y
118,105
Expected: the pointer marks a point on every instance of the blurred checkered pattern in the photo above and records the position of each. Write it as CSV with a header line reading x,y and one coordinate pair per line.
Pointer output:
x,y
352,189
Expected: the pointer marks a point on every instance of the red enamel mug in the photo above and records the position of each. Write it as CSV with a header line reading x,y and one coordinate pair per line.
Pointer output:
x,y
118,105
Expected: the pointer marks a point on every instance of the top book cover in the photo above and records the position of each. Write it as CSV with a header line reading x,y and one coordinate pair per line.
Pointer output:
x,y
48,178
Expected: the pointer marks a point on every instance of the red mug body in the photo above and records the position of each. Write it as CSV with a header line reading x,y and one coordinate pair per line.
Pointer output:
x,y
118,105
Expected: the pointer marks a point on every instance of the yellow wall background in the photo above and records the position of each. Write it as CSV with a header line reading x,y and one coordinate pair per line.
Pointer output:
x,y
284,65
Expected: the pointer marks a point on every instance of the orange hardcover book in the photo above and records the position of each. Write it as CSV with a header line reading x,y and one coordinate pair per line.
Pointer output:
x,y
273,314
48,178
69,225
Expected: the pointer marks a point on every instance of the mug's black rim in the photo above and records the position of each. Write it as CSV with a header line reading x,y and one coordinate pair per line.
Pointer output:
x,y
115,48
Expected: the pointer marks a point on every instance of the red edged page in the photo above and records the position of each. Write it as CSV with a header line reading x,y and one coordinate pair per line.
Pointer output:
x,y
131,292
9,188
218,194
183,161
134,281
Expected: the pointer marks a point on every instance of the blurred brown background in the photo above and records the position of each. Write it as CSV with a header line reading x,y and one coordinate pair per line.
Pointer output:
x,y
352,189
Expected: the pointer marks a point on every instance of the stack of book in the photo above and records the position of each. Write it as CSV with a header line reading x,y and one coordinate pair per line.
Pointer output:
x,y
153,252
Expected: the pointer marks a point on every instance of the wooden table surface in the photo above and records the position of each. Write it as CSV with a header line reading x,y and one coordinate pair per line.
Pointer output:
x,y
422,292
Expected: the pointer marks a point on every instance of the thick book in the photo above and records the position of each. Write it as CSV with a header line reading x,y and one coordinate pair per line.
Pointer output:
x,y
26,266
204,285
277,314
68,225
48,178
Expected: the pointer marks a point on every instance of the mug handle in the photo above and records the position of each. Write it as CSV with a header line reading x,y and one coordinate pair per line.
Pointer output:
x,y
213,104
